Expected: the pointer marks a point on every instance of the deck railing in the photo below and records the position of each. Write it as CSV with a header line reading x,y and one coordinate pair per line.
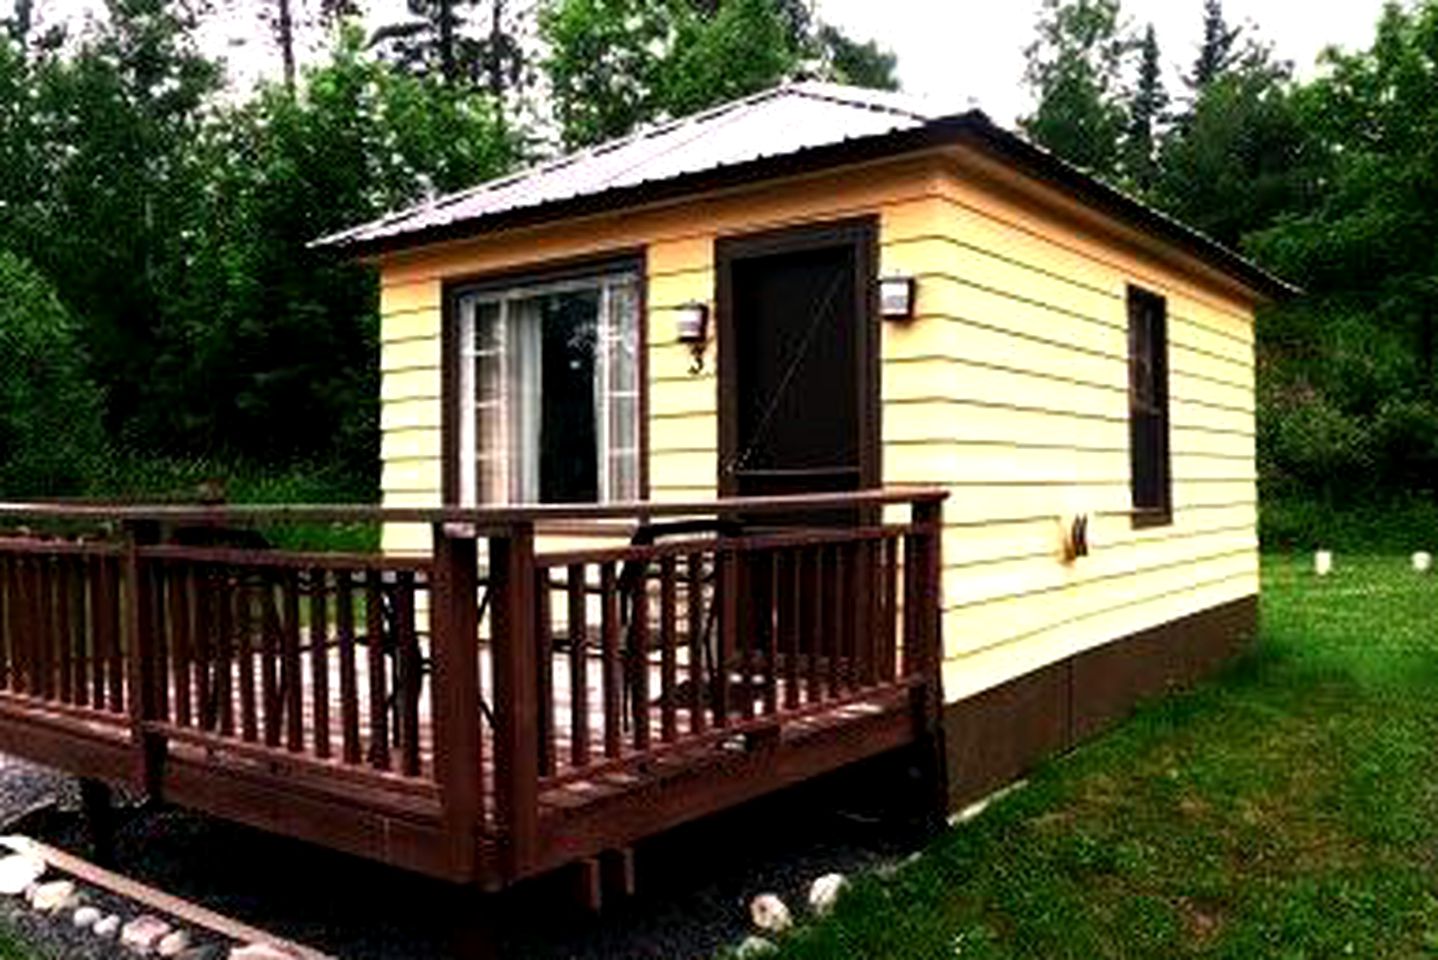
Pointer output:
x,y
493,672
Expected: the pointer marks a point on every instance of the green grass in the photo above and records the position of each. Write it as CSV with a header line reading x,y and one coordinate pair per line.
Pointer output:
x,y
1289,809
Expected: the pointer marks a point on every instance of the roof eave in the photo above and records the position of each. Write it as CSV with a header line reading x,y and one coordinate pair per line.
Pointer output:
x,y
1042,164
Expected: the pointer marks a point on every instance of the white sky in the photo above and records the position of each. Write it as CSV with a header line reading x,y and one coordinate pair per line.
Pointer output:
x,y
961,51
957,52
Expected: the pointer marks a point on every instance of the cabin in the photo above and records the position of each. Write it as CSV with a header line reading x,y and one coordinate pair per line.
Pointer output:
x,y
813,427
821,289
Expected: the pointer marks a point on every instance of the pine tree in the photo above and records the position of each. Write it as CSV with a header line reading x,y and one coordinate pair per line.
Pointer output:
x,y
1145,111
1218,51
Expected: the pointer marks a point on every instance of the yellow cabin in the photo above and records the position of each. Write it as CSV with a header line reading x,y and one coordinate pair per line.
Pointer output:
x,y
818,290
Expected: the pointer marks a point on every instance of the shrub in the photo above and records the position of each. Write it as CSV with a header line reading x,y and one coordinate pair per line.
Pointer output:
x,y
50,430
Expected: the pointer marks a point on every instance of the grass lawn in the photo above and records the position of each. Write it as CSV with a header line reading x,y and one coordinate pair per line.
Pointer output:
x,y
1289,809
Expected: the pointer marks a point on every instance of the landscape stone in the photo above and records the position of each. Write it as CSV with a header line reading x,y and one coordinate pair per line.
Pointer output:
x,y
48,897
770,914
142,933
105,927
824,892
19,844
173,943
18,871
86,917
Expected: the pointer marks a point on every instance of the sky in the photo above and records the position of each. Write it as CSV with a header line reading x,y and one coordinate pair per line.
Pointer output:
x,y
971,53
958,53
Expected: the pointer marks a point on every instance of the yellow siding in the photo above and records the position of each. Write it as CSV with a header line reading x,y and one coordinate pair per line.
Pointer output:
x,y
1009,389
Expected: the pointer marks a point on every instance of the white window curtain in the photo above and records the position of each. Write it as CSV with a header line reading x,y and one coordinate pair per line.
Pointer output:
x,y
501,396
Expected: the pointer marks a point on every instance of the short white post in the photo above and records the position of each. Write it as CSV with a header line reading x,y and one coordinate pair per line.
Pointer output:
x,y
1323,562
1422,561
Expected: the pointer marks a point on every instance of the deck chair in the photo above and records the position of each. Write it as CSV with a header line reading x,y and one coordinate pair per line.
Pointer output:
x,y
634,577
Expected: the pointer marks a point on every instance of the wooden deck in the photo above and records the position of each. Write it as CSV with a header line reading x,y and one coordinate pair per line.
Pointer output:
x,y
480,722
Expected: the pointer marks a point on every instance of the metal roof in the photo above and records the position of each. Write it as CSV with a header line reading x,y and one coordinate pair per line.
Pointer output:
x,y
783,130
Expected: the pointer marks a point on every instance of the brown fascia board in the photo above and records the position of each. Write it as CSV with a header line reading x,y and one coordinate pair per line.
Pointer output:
x,y
972,127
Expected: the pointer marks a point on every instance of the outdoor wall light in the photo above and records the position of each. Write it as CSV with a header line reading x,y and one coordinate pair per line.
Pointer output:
x,y
896,298
691,327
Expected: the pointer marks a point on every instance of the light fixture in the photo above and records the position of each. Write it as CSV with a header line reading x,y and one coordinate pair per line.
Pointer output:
x,y
896,298
691,327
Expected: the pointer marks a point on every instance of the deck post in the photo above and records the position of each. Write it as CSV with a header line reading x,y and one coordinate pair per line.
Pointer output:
x,y
140,627
923,644
454,639
516,712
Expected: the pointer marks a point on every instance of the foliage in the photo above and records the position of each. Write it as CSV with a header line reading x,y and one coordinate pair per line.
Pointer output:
x,y
482,51
50,435
270,327
1288,809
1145,111
1218,51
616,64
1074,69
1240,159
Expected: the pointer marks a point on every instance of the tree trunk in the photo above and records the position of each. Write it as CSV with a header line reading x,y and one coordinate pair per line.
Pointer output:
x,y
286,33
447,64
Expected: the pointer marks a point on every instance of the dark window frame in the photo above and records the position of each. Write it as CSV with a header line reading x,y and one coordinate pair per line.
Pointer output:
x,y
1150,450
453,288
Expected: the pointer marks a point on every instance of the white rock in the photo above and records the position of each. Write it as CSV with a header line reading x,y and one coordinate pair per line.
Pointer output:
x,y
173,943
259,951
1422,561
1323,562
755,947
18,871
106,926
824,892
770,914
16,843
142,933
85,917
47,897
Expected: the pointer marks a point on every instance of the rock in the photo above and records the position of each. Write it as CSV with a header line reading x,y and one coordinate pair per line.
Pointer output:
x,y
142,933
173,943
16,843
86,917
259,951
48,897
1422,561
770,914
18,871
824,892
106,926
755,947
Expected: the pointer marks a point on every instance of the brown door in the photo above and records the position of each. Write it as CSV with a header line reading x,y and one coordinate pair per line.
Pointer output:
x,y
798,362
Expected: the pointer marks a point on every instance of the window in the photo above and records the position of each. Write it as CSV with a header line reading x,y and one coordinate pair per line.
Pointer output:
x,y
548,391
1148,408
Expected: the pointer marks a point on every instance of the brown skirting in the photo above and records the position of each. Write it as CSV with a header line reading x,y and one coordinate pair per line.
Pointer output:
x,y
996,736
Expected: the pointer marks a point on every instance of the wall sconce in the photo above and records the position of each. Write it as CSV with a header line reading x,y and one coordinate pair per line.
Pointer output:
x,y
691,327
896,298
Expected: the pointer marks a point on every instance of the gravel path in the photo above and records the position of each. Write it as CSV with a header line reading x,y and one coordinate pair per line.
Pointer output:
x,y
694,882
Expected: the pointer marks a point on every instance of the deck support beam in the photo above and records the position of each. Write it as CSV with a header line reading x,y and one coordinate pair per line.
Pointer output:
x,y
516,708
96,806
454,634
140,660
